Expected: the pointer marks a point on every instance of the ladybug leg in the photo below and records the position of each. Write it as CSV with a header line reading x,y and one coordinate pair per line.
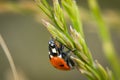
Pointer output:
x,y
69,51
68,59
71,63
61,47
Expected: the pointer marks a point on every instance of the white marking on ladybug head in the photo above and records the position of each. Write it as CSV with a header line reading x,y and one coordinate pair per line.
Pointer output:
x,y
54,50
52,44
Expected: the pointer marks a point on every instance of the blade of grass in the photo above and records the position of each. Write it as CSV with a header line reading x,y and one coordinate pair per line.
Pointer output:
x,y
106,38
9,57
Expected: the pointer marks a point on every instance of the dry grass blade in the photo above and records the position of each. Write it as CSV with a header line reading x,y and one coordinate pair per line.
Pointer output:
x,y
9,57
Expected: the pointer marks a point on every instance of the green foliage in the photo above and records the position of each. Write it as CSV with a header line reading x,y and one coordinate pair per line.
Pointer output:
x,y
72,36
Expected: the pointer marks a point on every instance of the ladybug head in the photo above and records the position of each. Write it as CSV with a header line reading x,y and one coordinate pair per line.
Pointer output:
x,y
53,49
51,44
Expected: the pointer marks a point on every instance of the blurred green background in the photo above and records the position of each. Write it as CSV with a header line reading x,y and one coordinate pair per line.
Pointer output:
x,y
27,39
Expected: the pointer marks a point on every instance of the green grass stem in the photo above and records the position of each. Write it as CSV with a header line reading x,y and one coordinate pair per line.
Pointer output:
x,y
104,33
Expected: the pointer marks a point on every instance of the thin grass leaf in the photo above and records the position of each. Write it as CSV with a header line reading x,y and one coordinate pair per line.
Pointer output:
x,y
59,16
101,71
43,5
81,46
81,67
107,45
110,74
92,70
73,12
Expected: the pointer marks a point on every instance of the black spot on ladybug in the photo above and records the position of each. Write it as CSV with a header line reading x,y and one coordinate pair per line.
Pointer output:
x,y
61,65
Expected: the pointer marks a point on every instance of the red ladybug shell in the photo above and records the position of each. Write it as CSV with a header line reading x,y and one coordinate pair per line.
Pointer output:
x,y
59,63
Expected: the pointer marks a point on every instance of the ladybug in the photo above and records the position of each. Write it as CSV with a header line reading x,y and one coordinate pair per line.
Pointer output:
x,y
58,58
